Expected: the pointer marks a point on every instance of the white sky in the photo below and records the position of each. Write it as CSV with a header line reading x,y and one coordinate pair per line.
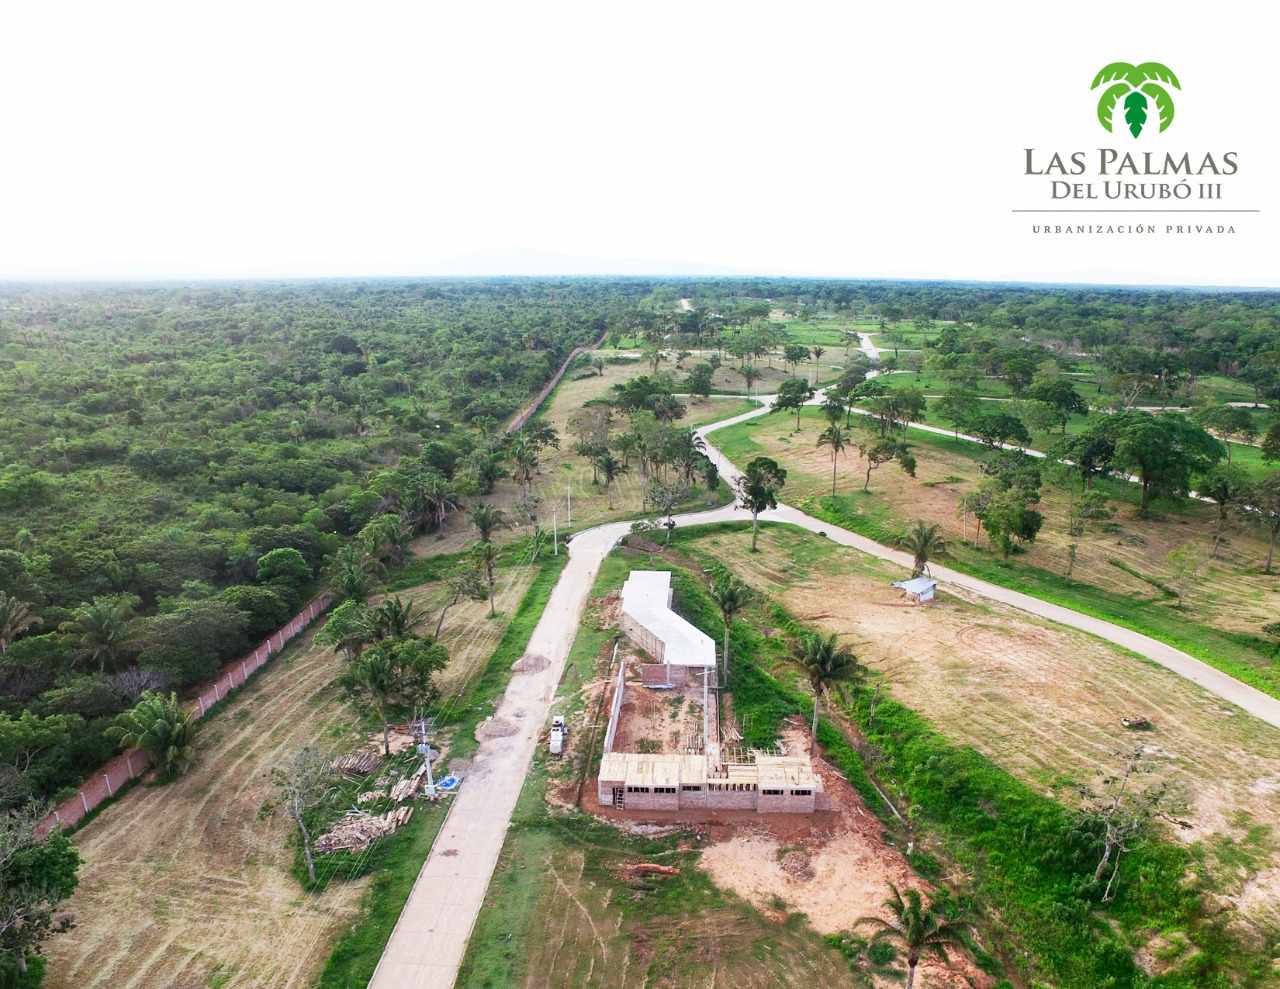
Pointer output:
x,y
280,139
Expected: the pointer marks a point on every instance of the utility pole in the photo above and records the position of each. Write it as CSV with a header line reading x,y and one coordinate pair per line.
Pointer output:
x,y
555,543
423,729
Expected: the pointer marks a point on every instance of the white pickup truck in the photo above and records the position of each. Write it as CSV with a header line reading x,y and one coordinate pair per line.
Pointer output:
x,y
558,732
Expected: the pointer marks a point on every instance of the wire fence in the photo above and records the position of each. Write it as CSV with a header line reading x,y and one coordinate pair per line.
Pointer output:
x,y
107,780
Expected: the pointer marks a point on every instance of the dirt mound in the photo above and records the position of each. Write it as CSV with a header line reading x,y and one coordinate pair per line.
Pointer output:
x,y
797,865
495,728
530,663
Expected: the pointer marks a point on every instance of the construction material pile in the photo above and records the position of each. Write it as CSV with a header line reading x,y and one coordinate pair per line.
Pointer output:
x,y
408,787
360,763
797,865
358,830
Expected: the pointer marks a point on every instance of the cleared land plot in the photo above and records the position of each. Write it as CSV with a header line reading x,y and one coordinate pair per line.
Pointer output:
x,y
1040,700
189,885
189,882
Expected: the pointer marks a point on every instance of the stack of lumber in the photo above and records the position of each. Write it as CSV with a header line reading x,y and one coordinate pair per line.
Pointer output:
x,y
369,796
354,833
363,762
633,869
358,830
408,787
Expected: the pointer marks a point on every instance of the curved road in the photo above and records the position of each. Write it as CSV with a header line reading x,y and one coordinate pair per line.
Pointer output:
x,y
426,948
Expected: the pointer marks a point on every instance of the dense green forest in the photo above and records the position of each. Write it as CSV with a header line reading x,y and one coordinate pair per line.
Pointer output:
x,y
179,463
167,449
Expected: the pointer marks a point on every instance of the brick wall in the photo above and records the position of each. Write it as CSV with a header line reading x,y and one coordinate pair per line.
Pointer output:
x,y
108,778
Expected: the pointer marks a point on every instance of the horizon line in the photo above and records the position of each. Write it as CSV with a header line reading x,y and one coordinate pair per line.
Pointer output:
x,y
155,280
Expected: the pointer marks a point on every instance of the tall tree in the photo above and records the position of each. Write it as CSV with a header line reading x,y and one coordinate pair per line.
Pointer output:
x,y
758,489
100,629
1059,394
792,396
610,468
731,596
817,356
485,555
878,452
1165,451
1225,485
349,628
1264,499
826,663
350,574
920,928
394,673
835,437
37,874
487,521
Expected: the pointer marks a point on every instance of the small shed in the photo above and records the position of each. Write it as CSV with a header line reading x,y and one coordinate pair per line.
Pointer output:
x,y
918,589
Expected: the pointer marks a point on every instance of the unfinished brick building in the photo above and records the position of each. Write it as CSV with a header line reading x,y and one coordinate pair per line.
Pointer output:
x,y
703,774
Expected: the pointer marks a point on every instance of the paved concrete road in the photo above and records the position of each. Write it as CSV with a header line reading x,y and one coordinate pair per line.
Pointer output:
x,y
428,943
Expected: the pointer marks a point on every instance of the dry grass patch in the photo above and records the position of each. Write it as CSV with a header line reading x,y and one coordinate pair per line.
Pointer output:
x,y
191,880
1230,593
1041,700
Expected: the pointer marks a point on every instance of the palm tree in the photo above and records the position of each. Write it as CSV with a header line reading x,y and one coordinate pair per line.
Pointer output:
x,y
524,463
161,727
749,375
429,502
487,520
372,678
386,538
610,468
731,596
817,356
918,927
923,541
101,629
826,663
16,617
836,438
486,556
394,619
349,573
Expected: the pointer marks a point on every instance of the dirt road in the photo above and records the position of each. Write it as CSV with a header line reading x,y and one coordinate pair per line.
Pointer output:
x,y
430,939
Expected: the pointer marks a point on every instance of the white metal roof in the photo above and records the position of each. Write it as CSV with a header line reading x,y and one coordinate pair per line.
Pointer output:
x,y
645,599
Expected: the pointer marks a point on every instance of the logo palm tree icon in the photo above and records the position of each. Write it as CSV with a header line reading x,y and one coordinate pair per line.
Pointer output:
x,y
1135,83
